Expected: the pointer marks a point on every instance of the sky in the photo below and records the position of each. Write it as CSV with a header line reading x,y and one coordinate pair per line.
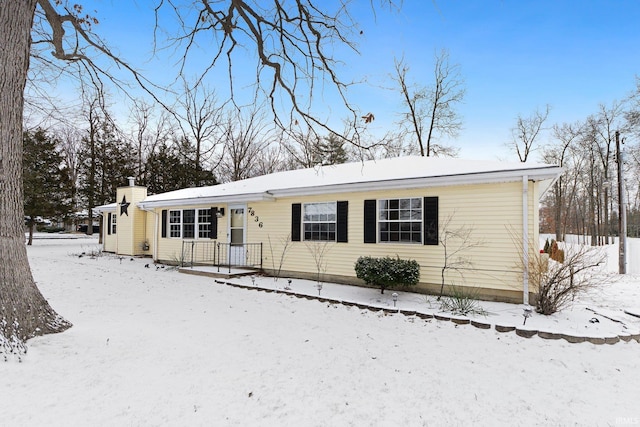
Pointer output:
x,y
514,56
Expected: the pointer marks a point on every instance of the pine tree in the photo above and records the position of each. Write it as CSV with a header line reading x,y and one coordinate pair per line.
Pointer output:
x,y
332,150
107,162
172,167
47,191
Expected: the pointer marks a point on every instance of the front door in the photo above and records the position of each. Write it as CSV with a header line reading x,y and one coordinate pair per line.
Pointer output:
x,y
236,236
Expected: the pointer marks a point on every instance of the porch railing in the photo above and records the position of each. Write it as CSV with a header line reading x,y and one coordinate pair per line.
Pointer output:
x,y
216,254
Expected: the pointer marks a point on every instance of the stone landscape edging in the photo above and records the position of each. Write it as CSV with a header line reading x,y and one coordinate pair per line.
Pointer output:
x,y
521,332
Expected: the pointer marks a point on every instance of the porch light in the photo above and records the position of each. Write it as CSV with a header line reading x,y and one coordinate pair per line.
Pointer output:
x,y
394,296
220,213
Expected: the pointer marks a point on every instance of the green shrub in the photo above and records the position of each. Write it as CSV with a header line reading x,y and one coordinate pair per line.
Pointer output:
x,y
387,272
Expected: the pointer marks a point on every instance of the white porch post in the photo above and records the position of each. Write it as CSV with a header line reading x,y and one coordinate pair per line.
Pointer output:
x,y
525,238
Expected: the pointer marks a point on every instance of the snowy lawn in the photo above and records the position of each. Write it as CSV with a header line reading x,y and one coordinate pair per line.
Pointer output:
x,y
157,347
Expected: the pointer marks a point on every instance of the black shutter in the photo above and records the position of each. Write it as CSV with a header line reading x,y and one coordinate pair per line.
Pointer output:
x,y
430,212
164,223
370,231
108,224
296,214
342,211
213,232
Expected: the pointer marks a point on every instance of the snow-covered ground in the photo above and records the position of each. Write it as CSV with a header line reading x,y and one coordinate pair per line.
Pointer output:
x,y
156,347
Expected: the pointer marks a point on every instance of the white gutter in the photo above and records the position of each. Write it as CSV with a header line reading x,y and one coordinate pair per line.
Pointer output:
x,y
231,198
525,238
546,173
422,182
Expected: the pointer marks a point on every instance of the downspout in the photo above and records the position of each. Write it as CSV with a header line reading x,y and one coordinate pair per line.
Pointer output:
x,y
155,231
525,238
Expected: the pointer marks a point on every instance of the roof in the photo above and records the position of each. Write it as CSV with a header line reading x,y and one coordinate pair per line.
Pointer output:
x,y
105,208
394,173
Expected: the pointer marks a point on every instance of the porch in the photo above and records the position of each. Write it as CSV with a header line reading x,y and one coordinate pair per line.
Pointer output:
x,y
215,259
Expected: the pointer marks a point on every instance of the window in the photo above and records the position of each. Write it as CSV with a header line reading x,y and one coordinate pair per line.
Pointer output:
x,y
184,223
175,223
400,220
204,223
188,223
113,224
319,221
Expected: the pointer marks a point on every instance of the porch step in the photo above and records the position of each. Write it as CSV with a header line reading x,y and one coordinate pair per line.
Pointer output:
x,y
224,272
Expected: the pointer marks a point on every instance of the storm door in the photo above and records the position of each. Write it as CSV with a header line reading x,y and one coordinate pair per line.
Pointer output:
x,y
237,253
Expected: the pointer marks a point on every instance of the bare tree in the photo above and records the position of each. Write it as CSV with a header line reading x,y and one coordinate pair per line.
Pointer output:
x,y
302,148
525,134
151,128
602,129
270,160
560,154
70,142
200,117
431,111
455,241
283,244
244,137
20,299
293,44
141,114
319,251
556,284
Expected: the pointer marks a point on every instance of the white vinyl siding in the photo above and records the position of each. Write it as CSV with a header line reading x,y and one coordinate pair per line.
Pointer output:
x,y
492,211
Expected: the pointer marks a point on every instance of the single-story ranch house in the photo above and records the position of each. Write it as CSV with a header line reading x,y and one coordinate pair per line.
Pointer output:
x,y
298,222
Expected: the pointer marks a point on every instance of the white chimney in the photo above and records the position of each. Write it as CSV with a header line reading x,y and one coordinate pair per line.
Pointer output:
x,y
132,181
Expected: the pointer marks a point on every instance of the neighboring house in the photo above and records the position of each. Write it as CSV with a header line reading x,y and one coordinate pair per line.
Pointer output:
x,y
395,207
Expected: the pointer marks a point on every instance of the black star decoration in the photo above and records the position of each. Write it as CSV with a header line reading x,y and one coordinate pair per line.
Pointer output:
x,y
124,206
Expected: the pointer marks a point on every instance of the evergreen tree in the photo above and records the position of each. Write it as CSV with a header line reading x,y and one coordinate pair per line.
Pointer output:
x,y
172,167
332,150
189,173
47,189
159,167
106,162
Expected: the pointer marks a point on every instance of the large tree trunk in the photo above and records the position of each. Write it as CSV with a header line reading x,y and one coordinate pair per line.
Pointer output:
x,y
20,299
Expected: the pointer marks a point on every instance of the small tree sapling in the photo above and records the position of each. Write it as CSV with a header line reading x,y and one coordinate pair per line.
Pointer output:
x,y
319,251
285,242
454,242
